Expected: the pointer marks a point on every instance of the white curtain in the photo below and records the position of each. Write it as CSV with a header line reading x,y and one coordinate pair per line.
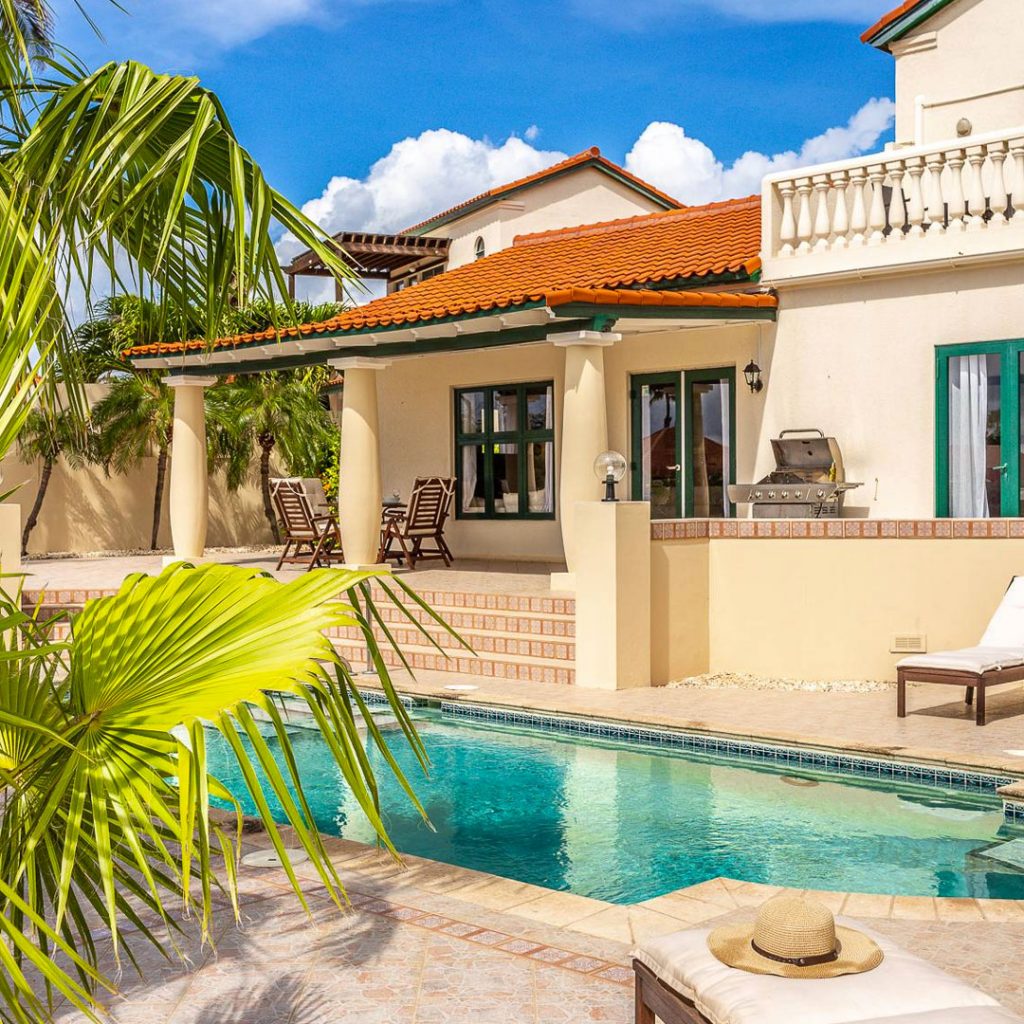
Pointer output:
x,y
468,477
968,419
724,406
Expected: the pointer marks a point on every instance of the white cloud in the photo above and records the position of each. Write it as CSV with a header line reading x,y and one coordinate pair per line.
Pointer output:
x,y
686,168
418,177
532,133
638,14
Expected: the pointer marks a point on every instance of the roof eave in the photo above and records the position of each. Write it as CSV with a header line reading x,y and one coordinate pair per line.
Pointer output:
x,y
884,33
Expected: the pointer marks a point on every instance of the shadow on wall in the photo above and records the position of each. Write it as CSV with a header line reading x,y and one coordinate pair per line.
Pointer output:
x,y
85,510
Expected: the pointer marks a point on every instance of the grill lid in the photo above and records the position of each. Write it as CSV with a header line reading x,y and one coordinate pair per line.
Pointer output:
x,y
810,457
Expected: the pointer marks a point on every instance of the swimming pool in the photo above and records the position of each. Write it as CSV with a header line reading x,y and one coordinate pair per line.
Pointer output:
x,y
625,821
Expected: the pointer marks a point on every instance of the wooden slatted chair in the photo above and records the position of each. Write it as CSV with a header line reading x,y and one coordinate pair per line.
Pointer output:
x,y
311,539
423,520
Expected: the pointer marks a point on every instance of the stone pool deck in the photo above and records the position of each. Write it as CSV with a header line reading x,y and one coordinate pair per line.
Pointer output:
x,y
429,942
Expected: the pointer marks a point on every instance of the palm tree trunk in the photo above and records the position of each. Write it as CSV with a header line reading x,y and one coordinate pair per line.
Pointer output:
x,y
158,495
33,516
268,506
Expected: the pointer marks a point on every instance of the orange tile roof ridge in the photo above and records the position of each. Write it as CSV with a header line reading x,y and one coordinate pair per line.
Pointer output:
x,y
586,156
638,220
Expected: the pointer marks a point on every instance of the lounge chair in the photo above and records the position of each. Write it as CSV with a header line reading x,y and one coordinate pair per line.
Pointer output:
x,y
680,981
311,539
422,521
998,658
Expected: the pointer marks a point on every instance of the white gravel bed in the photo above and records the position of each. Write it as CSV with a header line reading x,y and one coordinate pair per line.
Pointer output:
x,y
743,681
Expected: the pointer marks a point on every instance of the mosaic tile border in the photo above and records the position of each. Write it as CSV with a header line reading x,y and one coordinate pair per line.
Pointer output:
x,y
834,761
514,945
379,699
837,529
1013,812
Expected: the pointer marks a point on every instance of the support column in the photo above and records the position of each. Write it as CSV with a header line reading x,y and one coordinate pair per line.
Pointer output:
x,y
189,487
359,486
584,433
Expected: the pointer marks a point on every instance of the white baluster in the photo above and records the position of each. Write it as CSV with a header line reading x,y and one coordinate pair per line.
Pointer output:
x,y
840,214
876,214
822,220
804,225
1017,178
956,204
975,188
915,202
997,193
897,204
935,204
858,213
787,227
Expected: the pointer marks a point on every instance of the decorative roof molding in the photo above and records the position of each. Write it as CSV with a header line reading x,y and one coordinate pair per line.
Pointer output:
x,y
901,20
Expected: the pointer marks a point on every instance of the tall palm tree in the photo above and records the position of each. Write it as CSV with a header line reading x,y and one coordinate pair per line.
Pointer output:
x,y
268,415
48,434
135,419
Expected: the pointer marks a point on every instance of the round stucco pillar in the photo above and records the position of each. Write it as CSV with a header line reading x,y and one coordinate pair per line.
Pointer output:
x,y
189,488
584,427
359,483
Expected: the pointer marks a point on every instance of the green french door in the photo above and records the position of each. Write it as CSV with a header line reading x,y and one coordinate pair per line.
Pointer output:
x,y
979,465
683,455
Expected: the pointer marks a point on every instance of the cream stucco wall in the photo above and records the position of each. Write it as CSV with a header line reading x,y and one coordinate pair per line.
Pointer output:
x,y
962,62
858,360
87,511
582,197
821,608
416,411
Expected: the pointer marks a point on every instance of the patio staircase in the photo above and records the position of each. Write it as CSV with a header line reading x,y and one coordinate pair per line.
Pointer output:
x,y
525,637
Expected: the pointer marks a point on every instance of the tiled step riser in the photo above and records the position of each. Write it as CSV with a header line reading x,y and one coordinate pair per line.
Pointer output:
x,y
458,601
464,665
521,646
536,624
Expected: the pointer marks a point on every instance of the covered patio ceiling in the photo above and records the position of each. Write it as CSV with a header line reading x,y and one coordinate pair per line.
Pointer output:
x,y
628,311
379,256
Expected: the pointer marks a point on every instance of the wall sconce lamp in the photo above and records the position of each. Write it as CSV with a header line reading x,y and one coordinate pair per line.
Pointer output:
x,y
752,374
610,468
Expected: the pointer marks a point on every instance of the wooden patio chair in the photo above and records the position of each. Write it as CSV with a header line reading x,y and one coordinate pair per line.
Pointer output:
x,y
310,538
422,521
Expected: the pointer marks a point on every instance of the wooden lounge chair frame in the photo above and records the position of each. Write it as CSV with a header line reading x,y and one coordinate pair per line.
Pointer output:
x,y
423,520
310,539
655,998
971,681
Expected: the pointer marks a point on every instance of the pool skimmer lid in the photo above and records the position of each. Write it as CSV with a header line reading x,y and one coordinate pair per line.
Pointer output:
x,y
270,859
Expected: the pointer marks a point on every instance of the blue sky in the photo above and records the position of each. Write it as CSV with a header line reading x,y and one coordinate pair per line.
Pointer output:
x,y
320,90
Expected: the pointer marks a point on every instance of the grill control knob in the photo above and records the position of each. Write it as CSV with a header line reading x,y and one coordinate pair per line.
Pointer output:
x,y
821,494
785,494
771,494
757,494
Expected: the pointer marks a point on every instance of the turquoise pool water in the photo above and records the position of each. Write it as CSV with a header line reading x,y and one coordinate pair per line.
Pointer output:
x,y
624,822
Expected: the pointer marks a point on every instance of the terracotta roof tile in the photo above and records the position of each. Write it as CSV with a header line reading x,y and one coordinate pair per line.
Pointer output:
x,y
606,263
588,156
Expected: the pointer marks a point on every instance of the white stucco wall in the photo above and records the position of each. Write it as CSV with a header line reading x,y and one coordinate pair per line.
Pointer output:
x,y
584,196
964,61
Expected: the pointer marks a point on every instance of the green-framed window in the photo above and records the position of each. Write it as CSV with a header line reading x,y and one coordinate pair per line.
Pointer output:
x,y
683,442
505,451
979,465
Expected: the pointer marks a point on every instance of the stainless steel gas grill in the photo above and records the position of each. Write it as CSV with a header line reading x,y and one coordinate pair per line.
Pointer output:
x,y
808,482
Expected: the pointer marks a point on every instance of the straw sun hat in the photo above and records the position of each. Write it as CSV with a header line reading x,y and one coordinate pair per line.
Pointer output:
x,y
794,937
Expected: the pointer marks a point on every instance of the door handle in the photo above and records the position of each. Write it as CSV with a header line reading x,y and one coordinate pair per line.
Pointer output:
x,y
674,468
1000,468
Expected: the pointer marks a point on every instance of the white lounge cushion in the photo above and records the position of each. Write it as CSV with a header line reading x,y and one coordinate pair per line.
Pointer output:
x,y
958,1015
1006,627
901,985
968,659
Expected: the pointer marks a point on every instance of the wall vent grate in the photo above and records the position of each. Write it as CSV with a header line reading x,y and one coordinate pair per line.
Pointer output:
x,y
908,643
